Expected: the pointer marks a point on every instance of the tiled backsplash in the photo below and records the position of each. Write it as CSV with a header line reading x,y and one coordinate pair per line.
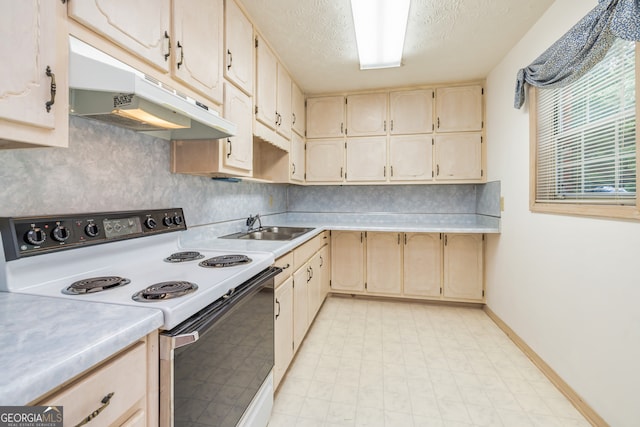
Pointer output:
x,y
108,168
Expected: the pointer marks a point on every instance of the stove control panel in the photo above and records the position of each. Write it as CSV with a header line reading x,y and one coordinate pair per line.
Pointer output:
x,y
26,236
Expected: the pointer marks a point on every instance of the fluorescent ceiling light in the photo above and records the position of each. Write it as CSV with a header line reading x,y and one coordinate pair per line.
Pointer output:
x,y
380,29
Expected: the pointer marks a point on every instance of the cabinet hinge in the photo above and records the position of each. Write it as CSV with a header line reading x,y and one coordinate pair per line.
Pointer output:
x,y
481,138
482,91
433,141
256,42
345,176
433,94
365,285
433,127
305,175
345,131
345,145
256,109
481,172
483,237
305,103
330,284
346,100
483,292
440,291
432,174
305,145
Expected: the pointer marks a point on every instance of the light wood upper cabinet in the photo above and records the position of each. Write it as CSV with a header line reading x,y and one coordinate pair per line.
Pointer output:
x,y
411,112
367,114
459,108
325,117
347,261
266,84
367,159
463,266
34,39
284,115
283,329
237,109
384,263
458,156
422,264
325,160
239,45
296,157
198,30
141,26
298,121
410,158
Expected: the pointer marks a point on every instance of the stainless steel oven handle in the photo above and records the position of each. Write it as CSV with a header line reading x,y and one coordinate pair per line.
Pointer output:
x,y
185,339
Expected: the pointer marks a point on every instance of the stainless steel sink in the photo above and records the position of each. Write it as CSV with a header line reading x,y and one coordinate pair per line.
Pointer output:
x,y
270,233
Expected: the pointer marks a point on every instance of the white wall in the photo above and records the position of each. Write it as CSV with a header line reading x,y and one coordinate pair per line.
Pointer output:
x,y
569,286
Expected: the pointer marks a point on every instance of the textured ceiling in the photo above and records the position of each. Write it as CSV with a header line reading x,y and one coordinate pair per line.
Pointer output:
x,y
447,40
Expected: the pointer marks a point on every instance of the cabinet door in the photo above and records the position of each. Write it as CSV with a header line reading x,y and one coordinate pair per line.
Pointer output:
x,y
367,114
367,159
325,272
458,156
266,84
197,43
325,160
384,263
422,264
239,148
283,103
411,112
459,108
325,117
283,329
239,45
314,296
296,156
140,26
463,266
35,38
347,261
298,118
411,158
301,278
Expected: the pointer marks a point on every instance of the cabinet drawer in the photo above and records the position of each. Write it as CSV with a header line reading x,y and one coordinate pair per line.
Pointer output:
x,y
285,262
305,251
125,377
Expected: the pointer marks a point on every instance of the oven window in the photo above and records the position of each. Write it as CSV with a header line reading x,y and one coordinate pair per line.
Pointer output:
x,y
217,377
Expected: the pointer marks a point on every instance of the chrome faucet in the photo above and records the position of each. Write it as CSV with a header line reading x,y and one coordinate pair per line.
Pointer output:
x,y
252,220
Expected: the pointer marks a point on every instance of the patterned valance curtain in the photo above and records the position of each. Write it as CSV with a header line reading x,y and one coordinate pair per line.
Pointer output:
x,y
581,47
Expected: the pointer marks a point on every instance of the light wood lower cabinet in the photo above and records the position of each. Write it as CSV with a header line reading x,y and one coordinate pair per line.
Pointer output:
x,y
422,264
412,265
283,329
123,389
384,263
347,261
299,293
463,267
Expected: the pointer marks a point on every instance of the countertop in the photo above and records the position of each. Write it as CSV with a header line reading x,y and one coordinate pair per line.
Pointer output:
x,y
208,236
47,341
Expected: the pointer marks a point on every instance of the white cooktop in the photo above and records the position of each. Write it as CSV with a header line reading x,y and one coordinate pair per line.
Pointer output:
x,y
139,260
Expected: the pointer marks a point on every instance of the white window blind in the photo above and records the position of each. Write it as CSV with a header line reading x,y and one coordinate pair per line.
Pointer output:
x,y
586,135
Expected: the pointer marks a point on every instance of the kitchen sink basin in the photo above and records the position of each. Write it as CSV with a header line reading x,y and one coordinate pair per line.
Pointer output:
x,y
270,233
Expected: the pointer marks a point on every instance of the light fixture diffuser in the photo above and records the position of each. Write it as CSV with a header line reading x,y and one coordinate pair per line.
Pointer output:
x,y
381,26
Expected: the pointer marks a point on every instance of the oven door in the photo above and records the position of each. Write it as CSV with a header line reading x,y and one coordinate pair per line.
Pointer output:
x,y
213,364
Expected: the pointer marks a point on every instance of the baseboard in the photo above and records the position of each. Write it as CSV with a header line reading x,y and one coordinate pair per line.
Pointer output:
x,y
573,397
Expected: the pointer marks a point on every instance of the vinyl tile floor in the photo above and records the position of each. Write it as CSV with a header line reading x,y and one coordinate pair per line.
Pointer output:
x,y
398,364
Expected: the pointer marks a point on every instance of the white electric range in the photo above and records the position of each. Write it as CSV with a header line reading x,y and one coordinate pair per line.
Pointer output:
x,y
208,298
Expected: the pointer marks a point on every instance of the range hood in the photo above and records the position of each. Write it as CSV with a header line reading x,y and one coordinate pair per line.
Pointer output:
x,y
105,89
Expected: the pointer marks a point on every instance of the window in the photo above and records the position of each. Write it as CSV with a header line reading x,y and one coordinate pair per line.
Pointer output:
x,y
584,150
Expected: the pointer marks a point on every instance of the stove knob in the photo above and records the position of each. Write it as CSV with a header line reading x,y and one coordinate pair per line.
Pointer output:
x,y
35,236
167,221
150,223
178,220
92,229
60,233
